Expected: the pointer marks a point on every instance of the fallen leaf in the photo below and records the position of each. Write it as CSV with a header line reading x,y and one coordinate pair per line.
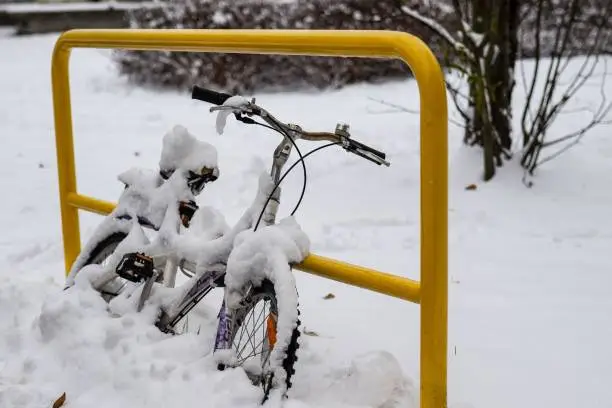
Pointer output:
x,y
60,401
329,296
308,333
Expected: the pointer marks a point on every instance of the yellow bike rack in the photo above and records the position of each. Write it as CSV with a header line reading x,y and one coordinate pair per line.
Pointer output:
x,y
431,291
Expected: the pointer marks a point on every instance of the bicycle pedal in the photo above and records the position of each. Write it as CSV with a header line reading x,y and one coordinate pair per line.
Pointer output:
x,y
135,267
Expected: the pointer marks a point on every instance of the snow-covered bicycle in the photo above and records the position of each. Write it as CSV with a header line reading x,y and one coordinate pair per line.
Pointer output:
x,y
259,319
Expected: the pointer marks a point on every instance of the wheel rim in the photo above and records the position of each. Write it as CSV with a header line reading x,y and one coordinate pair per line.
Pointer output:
x,y
255,338
115,286
103,256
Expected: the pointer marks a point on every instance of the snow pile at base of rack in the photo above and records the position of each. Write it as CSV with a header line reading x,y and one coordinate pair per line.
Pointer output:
x,y
106,362
529,277
55,342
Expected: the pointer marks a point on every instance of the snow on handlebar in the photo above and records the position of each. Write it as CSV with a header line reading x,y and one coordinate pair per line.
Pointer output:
x,y
231,105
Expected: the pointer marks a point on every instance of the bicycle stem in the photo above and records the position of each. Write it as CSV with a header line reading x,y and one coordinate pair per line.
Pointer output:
x,y
279,159
281,155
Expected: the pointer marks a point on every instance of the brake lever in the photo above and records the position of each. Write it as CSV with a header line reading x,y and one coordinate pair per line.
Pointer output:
x,y
244,119
370,156
353,146
224,108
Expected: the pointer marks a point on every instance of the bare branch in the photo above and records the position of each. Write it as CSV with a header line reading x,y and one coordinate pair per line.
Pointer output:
x,y
455,94
458,9
436,27
538,55
399,108
393,105
569,23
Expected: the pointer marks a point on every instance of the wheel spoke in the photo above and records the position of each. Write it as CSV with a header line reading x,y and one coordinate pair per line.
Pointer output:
x,y
250,337
257,321
255,329
263,327
254,353
246,343
242,331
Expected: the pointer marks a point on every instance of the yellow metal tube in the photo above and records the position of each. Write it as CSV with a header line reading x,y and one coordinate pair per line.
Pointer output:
x,y
432,293
346,43
359,276
385,283
90,204
64,146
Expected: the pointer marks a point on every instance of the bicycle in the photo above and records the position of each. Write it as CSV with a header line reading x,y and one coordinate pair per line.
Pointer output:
x,y
147,197
252,264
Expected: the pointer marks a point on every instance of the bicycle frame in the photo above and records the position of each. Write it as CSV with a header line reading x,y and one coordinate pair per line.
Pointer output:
x,y
203,282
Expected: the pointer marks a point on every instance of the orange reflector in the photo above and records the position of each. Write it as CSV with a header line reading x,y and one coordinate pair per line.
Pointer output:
x,y
271,329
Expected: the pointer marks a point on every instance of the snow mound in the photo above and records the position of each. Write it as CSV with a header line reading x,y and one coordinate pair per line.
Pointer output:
x,y
59,341
373,379
70,343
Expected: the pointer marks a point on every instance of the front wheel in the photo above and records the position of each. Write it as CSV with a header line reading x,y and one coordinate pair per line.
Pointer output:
x,y
264,339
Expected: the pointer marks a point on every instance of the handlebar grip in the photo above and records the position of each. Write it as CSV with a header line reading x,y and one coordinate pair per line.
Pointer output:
x,y
207,95
361,146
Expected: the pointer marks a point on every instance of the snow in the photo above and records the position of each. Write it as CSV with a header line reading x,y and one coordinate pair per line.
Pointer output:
x,y
220,18
475,38
184,151
434,26
529,279
235,101
20,8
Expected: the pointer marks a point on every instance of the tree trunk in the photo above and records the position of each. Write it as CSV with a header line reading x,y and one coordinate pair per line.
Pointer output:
x,y
492,81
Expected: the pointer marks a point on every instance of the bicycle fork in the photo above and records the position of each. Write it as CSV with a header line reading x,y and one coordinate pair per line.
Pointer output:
x,y
227,318
227,315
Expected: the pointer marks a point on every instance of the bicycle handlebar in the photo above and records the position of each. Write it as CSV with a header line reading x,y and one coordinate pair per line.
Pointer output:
x,y
210,96
341,135
350,145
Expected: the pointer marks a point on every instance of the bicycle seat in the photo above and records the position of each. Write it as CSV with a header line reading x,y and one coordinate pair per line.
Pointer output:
x,y
141,177
181,150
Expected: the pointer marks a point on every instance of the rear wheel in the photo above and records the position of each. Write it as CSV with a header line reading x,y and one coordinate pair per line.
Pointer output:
x,y
255,335
100,255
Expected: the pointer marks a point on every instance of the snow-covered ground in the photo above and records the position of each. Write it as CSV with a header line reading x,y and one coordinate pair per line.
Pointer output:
x,y
530,307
